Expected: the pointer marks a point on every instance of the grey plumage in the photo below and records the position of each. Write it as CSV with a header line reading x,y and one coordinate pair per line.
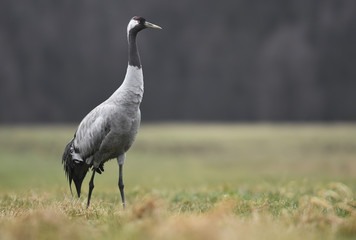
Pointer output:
x,y
110,129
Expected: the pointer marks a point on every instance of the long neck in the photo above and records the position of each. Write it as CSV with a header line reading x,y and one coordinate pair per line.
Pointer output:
x,y
134,57
131,90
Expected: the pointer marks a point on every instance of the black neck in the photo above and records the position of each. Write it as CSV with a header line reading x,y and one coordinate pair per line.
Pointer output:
x,y
134,57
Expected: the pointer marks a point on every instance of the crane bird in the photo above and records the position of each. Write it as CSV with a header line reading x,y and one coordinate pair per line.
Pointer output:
x,y
109,130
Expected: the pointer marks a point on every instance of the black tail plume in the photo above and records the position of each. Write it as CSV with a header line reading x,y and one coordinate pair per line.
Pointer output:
x,y
68,163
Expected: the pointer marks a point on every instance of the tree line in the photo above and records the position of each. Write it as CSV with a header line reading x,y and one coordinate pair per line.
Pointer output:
x,y
213,61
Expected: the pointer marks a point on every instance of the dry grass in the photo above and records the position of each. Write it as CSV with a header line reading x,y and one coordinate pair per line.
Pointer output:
x,y
187,182
329,214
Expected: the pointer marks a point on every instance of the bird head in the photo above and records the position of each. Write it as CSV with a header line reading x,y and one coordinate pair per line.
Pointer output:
x,y
137,24
74,169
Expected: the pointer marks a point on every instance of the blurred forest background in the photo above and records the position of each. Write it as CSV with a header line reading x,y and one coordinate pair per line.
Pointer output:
x,y
224,60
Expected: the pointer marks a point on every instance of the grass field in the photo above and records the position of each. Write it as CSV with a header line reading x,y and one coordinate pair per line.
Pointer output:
x,y
187,181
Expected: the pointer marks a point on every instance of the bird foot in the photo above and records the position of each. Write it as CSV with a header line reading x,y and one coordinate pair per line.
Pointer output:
x,y
100,169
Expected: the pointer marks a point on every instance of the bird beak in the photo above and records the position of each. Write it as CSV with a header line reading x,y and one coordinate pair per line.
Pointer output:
x,y
151,25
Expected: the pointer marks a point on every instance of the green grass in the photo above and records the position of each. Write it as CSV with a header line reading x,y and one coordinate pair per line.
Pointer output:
x,y
187,181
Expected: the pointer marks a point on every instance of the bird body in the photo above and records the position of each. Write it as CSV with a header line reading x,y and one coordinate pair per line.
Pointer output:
x,y
110,129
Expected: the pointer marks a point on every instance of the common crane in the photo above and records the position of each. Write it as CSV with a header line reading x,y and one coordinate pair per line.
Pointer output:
x,y
109,130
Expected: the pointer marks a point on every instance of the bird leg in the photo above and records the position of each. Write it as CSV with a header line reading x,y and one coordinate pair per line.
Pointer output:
x,y
91,187
121,186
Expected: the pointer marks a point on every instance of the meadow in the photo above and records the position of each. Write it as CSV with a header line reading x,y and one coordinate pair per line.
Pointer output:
x,y
187,181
